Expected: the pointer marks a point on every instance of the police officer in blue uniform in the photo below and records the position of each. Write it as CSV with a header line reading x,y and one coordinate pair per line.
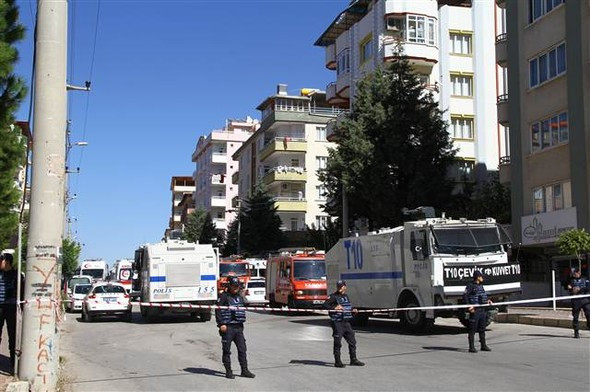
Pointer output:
x,y
578,286
475,294
231,327
340,322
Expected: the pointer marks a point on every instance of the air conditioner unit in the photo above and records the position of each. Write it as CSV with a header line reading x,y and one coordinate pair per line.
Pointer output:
x,y
284,186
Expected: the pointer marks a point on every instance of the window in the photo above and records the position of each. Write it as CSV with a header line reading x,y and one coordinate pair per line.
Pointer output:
x,y
552,197
343,62
547,66
321,162
321,221
462,171
549,132
320,192
366,47
462,85
538,8
460,43
413,28
462,127
320,134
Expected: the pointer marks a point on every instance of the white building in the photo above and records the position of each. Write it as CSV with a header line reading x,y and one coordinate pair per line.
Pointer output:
x,y
214,168
179,186
285,154
450,44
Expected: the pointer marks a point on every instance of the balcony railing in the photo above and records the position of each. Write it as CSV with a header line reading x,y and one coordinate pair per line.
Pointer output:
x,y
501,37
505,160
285,173
502,98
286,144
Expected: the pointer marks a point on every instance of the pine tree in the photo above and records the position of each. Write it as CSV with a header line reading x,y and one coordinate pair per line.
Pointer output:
x,y
70,256
12,148
230,246
393,151
208,232
194,225
260,224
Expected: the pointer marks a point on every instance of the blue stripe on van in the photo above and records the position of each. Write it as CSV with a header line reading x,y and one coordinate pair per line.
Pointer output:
x,y
372,275
157,278
207,277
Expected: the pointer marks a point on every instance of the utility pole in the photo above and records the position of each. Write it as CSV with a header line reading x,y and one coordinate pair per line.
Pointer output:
x,y
40,339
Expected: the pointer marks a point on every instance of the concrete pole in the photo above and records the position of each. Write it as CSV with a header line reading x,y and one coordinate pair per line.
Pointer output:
x,y
40,356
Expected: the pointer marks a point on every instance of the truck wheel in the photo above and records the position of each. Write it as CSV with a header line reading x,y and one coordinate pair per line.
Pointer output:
x,y
146,313
205,316
291,305
414,320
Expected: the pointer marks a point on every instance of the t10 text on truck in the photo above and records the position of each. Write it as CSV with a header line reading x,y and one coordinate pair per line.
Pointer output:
x,y
177,272
423,263
296,279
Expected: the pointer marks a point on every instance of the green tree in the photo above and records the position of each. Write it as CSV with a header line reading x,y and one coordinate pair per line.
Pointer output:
x,y
260,225
393,150
208,232
575,242
325,237
12,147
70,256
231,239
194,225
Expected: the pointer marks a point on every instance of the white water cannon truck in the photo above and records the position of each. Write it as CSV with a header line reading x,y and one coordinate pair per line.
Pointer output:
x,y
423,263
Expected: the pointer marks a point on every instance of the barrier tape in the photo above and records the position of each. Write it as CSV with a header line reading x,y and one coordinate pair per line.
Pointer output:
x,y
312,310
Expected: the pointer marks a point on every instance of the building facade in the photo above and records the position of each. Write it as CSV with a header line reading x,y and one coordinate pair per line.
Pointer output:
x,y
215,167
450,45
285,153
179,186
546,52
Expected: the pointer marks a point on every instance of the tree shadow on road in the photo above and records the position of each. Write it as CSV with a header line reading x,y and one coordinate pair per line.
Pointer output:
x,y
310,362
390,327
440,348
205,371
545,335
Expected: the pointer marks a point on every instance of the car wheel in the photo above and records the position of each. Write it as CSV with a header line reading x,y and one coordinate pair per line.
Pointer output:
x,y
127,317
86,316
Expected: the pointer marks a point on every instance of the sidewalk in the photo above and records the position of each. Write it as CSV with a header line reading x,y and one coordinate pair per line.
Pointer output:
x,y
560,318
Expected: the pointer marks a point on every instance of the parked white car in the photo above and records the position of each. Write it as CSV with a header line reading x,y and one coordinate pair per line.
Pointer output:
x,y
77,279
76,298
106,299
255,292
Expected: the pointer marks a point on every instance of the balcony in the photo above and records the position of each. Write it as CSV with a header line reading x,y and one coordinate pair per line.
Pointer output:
x,y
288,204
502,105
218,201
283,144
330,127
504,169
218,179
219,223
219,157
421,56
343,85
502,50
235,178
285,173
331,57
333,97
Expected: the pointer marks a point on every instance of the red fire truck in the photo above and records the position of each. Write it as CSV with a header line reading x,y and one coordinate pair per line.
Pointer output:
x,y
296,278
230,267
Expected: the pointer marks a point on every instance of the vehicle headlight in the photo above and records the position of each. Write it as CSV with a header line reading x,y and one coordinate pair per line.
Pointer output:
x,y
299,292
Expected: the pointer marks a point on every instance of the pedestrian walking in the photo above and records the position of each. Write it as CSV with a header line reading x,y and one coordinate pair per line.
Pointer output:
x,y
8,287
340,322
475,294
231,328
577,286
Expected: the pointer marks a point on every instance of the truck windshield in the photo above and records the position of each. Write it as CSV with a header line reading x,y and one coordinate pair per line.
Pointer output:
x,y
468,240
232,269
96,273
309,270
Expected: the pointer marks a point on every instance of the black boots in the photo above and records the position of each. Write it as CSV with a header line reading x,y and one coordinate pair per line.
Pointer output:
x,y
247,373
482,341
338,362
229,374
355,362
471,338
576,334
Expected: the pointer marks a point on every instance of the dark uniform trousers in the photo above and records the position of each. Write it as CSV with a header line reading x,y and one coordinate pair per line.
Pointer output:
x,y
343,329
234,333
577,306
478,321
8,313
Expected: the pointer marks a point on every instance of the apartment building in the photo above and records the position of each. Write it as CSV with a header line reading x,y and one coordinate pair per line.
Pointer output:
x,y
285,153
545,49
179,186
215,167
450,45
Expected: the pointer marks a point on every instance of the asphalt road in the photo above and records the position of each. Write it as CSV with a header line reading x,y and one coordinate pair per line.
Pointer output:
x,y
295,353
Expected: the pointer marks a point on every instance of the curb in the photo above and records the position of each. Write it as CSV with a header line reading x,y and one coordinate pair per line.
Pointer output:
x,y
18,386
537,320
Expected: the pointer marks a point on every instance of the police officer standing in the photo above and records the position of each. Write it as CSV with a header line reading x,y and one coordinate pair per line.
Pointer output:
x,y
341,327
475,294
578,286
231,327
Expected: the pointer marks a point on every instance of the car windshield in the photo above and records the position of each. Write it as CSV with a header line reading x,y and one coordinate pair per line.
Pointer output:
x,y
232,269
468,240
75,281
109,289
82,289
96,273
309,270
256,285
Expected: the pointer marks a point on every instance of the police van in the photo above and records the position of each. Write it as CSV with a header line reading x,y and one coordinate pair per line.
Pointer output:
x,y
423,263
177,272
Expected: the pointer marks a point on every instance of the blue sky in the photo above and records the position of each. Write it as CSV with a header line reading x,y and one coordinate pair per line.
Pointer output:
x,y
165,73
